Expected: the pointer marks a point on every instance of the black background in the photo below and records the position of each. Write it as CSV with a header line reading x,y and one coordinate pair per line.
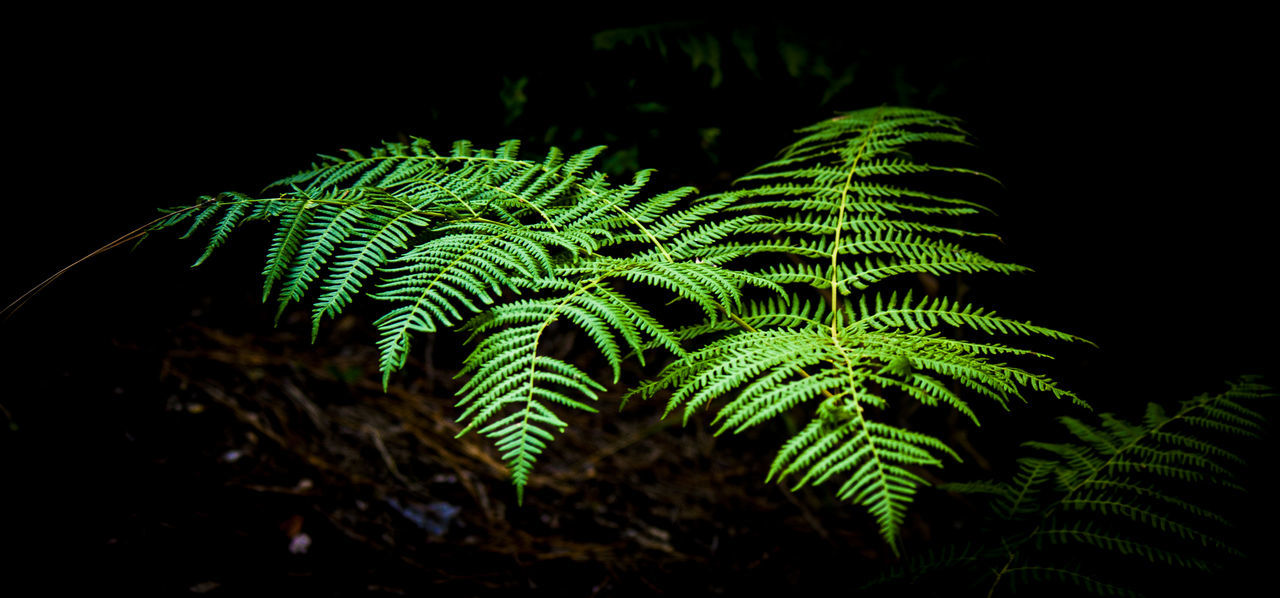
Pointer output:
x,y
1135,153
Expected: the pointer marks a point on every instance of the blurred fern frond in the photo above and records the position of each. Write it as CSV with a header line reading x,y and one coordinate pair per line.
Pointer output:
x,y
1120,497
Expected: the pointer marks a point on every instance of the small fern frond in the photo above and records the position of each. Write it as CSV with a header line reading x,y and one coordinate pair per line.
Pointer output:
x,y
231,218
330,228
931,313
877,458
448,278
369,248
285,244
508,375
507,396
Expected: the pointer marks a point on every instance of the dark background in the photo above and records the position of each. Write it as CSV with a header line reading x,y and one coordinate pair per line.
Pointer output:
x,y
1134,153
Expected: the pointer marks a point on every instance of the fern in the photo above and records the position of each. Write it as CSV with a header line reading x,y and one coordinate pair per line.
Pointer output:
x,y
837,213
508,249
1123,490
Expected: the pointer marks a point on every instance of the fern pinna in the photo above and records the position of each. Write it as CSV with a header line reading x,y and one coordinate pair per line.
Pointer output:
x,y
836,213
1087,515
505,245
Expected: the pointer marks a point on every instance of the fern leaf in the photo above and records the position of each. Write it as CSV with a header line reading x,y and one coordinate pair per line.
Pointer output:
x,y
370,248
231,218
285,245
331,227
876,456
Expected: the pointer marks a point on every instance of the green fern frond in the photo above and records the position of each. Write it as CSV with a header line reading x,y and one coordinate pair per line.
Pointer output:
x,y
509,376
839,212
285,244
460,237
931,313
331,227
369,248
877,458
447,279
510,387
